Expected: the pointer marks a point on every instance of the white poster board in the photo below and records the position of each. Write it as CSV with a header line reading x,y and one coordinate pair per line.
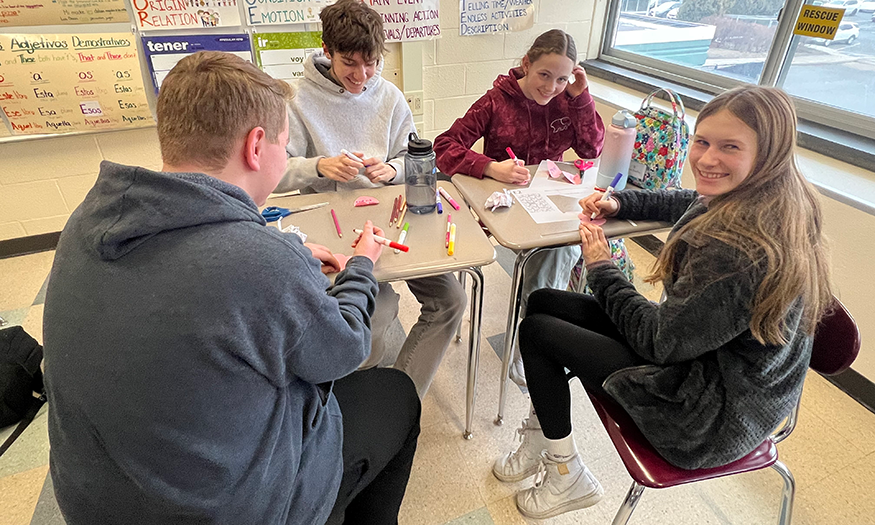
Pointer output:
x,y
486,17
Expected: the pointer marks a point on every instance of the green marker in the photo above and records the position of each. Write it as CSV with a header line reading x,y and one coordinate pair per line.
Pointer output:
x,y
403,235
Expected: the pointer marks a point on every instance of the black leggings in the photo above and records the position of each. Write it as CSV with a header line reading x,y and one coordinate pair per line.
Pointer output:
x,y
380,428
568,330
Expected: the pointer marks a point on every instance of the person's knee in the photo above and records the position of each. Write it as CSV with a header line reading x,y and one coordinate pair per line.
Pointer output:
x,y
529,330
540,301
402,391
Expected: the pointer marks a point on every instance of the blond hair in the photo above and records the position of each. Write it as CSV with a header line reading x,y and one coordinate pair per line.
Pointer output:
x,y
773,216
209,101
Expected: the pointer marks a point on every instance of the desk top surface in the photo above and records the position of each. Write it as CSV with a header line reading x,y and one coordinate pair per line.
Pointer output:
x,y
514,228
426,236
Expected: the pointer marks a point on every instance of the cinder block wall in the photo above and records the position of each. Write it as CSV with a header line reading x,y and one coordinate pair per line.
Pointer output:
x,y
457,70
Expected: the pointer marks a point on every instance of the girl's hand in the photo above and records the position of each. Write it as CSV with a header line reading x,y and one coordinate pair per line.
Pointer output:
x,y
580,82
593,203
507,171
595,245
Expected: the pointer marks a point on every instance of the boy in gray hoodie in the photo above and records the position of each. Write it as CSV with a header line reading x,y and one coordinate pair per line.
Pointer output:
x,y
198,364
343,103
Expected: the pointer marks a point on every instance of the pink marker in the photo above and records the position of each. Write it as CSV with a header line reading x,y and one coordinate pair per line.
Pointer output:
x,y
446,195
513,156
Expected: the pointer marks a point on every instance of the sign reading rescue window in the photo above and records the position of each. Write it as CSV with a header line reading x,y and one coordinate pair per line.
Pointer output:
x,y
817,21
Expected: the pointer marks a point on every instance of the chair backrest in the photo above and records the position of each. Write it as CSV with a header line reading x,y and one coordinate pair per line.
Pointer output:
x,y
836,341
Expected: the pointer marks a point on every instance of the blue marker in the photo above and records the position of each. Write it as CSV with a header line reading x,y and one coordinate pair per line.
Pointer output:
x,y
609,191
440,206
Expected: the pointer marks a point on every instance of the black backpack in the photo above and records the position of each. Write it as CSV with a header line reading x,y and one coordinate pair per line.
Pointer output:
x,y
21,381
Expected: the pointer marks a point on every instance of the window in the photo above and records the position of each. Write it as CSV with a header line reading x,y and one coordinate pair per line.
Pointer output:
x,y
713,45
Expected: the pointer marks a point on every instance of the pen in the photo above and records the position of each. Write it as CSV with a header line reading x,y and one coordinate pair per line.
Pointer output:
x,y
609,191
403,235
401,215
336,224
449,199
451,248
353,157
437,196
449,222
385,242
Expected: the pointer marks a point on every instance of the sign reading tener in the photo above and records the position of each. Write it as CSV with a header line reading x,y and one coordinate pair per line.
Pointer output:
x,y
817,21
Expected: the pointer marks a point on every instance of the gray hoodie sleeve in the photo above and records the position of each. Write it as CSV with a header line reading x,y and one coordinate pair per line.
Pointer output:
x,y
300,170
707,305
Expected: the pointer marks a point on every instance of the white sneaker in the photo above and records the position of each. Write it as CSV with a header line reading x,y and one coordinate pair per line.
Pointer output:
x,y
518,373
561,486
524,461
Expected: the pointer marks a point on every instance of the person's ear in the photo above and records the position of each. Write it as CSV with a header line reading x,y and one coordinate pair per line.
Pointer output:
x,y
526,65
253,147
325,50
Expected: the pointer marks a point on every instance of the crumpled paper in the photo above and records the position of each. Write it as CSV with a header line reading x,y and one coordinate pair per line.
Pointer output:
x,y
293,229
499,199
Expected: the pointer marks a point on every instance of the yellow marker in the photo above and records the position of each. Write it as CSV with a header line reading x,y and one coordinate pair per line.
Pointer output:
x,y
452,247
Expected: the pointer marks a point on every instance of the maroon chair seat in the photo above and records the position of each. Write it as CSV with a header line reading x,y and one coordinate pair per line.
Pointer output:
x,y
836,345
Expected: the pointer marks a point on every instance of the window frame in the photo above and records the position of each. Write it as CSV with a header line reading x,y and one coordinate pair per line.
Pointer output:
x,y
777,64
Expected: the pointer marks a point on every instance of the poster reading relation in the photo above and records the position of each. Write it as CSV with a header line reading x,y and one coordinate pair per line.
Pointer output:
x,y
172,14
71,82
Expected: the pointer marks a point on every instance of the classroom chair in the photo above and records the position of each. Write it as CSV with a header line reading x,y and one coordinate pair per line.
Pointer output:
x,y
836,345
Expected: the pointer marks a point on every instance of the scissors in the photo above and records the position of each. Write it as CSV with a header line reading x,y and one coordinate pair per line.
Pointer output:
x,y
583,165
273,213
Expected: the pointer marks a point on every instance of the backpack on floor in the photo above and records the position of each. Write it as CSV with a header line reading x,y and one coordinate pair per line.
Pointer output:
x,y
21,381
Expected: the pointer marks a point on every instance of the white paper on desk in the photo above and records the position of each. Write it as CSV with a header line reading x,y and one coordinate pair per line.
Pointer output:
x,y
553,200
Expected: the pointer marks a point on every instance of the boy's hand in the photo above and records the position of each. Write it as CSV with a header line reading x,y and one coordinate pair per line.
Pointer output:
x,y
507,171
366,245
593,203
580,82
329,262
595,245
340,168
379,171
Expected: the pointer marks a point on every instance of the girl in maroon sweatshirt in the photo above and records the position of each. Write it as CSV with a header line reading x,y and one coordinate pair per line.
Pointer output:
x,y
534,109
539,114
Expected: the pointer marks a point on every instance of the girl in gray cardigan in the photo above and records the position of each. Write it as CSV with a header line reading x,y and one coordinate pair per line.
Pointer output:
x,y
710,372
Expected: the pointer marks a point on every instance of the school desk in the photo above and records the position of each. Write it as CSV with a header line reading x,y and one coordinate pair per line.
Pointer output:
x,y
514,228
427,255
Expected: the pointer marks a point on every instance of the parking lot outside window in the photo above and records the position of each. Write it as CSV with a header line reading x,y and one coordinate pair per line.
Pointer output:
x,y
715,44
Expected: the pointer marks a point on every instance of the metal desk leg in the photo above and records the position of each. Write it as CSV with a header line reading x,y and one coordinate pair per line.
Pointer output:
x,y
513,317
459,328
473,345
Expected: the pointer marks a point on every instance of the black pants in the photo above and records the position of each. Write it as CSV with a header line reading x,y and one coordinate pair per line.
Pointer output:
x,y
568,330
380,426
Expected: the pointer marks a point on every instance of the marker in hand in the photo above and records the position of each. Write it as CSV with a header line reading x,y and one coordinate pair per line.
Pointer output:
x,y
353,157
513,156
384,241
609,191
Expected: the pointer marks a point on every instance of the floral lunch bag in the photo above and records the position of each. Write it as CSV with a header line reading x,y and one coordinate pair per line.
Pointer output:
x,y
661,145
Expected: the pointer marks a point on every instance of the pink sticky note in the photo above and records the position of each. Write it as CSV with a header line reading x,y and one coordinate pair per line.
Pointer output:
x,y
554,172
366,201
585,218
342,259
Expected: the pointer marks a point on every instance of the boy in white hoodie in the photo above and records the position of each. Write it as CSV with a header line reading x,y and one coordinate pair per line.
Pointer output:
x,y
343,103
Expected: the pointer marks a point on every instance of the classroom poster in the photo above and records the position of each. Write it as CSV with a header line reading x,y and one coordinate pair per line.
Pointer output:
x,y
486,17
178,14
163,52
281,55
19,13
409,20
71,82
266,12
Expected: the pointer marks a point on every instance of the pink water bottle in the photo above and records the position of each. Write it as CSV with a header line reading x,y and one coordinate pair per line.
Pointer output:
x,y
617,152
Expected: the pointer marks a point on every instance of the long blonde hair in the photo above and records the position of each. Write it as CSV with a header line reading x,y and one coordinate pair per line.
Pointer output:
x,y
773,216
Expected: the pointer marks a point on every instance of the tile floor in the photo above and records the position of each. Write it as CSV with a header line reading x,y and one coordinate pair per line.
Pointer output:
x,y
831,454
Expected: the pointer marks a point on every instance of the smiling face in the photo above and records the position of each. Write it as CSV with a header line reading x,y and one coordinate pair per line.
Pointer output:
x,y
546,77
723,153
351,69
